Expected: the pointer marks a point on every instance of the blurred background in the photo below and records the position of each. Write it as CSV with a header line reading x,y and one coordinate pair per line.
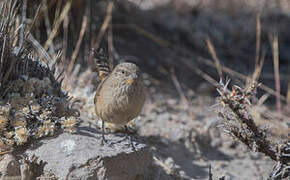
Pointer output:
x,y
184,47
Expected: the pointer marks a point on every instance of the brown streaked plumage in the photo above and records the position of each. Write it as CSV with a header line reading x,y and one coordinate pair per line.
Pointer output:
x,y
120,96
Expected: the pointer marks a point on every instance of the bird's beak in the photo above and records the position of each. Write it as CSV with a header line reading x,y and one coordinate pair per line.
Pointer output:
x,y
132,78
134,75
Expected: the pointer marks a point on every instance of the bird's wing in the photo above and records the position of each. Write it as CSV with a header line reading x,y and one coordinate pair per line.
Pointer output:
x,y
99,89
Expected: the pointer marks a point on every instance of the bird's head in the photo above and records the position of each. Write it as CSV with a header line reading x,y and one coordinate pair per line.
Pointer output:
x,y
128,74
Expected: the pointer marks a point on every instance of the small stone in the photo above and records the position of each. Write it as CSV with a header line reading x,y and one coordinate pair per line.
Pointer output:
x,y
9,166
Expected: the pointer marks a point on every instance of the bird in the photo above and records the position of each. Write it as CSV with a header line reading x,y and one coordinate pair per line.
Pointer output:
x,y
120,95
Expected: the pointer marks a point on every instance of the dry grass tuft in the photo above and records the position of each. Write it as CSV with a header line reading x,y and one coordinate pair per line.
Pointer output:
x,y
32,103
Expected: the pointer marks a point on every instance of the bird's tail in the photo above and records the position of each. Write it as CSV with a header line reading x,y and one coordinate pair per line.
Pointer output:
x,y
102,64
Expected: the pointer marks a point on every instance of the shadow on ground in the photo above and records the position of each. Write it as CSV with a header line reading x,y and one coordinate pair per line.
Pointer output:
x,y
188,161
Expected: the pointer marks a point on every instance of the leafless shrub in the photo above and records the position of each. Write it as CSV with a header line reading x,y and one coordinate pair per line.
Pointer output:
x,y
238,122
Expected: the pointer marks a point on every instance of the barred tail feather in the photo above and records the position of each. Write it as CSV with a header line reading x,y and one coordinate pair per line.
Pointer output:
x,y
102,64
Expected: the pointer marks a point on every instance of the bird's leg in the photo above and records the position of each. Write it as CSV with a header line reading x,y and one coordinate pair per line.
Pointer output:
x,y
129,139
103,133
129,129
131,142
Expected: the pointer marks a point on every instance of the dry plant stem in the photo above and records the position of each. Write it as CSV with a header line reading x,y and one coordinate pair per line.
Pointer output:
x,y
65,37
9,70
8,12
276,72
76,50
165,44
89,43
199,72
57,24
110,46
2,60
47,24
258,62
262,99
179,88
41,51
16,29
258,68
258,39
23,22
214,56
39,15
35,18
158,40
57,10
239,75
105,25
205,76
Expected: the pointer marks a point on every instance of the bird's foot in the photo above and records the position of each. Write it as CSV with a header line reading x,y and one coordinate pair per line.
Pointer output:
x,y
131,143
104,141
130,130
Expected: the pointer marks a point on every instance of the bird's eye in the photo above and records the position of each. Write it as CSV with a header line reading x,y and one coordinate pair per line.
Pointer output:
x,y
123,72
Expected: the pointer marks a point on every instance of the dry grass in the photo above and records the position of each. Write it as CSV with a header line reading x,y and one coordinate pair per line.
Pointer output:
x,y
78,45
105,25
275,50
214,56
57,24
28,83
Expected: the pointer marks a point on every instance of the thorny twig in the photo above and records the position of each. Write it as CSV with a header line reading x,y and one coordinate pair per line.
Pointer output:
x,y
239,123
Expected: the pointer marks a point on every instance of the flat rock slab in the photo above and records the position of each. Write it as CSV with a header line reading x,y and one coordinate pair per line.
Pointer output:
x,y
82,156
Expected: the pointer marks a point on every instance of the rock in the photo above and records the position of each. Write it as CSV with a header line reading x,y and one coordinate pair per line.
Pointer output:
x,y
81,156
9,166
